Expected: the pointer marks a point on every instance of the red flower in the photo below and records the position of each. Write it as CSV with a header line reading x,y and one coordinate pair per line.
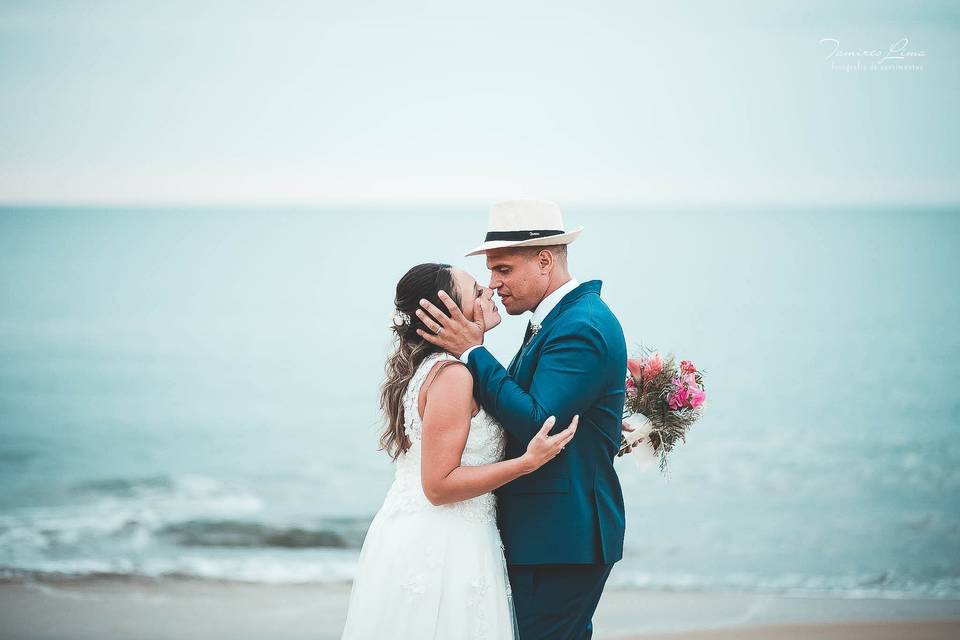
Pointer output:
x,y
652,367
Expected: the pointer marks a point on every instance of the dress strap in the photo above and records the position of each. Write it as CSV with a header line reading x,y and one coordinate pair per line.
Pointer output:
x,y
412,396
444,362
424,369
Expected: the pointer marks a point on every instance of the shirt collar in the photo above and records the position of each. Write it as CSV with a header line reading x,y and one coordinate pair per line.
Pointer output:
x,y
547,304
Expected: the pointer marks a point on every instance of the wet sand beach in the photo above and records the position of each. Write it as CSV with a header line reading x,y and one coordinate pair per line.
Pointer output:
x,y
120,607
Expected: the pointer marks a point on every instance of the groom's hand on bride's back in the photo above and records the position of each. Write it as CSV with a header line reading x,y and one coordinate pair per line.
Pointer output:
x,y
453,333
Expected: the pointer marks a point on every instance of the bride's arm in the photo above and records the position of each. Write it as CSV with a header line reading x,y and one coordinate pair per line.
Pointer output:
x,y
446,424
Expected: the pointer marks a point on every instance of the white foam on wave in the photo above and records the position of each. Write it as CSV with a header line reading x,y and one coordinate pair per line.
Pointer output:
x,y
320,566
124,520
114,530
326,566
843,586
184,498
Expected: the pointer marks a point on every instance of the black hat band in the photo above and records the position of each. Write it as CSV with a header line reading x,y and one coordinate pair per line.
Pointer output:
x,y
522,235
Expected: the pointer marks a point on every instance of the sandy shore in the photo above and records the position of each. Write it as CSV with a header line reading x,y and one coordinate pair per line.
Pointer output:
x,y
106,608
869,630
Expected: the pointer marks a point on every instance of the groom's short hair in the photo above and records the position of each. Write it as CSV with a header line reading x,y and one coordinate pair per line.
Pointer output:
x,y
559,252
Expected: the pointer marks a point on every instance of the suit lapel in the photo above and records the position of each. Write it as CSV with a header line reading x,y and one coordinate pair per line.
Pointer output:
x,y
593,286
512,369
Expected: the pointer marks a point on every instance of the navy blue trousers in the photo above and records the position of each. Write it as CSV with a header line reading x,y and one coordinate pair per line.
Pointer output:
x,y
557,601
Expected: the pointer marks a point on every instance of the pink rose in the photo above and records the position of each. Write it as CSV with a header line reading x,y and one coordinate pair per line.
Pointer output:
x,y
631,388
687,367
677,399
697,396
674,401
690,379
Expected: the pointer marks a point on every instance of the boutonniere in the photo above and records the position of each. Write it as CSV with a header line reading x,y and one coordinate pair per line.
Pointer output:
x,y
534,327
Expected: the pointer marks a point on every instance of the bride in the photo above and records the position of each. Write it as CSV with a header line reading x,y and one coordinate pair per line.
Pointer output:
x,y
432,563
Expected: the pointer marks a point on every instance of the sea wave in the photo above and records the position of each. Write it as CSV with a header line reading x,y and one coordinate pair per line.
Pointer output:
x,y
187,511
170,527
343,533
340,566
313,568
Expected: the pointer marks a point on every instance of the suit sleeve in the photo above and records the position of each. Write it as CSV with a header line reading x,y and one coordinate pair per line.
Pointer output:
x,y
567,380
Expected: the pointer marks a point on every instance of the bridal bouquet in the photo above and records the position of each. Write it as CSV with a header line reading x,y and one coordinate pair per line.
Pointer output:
x,y
662,403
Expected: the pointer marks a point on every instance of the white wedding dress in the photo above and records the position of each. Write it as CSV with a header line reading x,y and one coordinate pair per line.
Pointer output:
x,y
433,572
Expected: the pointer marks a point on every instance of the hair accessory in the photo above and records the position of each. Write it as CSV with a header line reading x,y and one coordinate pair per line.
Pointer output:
x,y
399,318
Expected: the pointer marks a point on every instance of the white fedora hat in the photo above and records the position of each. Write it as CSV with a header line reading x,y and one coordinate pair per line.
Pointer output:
x,y
525,223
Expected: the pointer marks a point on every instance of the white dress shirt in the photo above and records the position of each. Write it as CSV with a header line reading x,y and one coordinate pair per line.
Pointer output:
x,y
541,312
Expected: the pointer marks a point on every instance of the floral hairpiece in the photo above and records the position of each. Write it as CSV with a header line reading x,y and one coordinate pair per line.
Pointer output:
x,y
399,318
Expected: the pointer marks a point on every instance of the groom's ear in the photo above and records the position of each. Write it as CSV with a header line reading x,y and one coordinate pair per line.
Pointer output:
x,y
552,257
546,261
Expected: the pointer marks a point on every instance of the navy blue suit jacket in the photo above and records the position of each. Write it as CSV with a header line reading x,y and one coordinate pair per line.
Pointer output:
x,y
571,509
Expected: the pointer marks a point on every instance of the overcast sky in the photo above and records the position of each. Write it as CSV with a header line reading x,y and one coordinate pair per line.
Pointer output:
x,y
476,101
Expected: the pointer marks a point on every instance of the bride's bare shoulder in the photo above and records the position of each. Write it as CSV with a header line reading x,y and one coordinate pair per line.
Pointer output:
x,y
449,376
448,381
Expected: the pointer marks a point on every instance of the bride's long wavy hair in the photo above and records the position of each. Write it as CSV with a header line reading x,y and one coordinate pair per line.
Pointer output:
x,y
422,281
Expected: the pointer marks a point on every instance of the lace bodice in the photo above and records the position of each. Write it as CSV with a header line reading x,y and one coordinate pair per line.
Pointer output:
x,y
485,445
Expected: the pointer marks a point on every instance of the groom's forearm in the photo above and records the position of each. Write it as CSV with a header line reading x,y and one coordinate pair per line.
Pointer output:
x,y
565,383
503,398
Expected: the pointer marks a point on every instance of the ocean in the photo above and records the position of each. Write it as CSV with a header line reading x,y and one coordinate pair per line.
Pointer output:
x,y
192,391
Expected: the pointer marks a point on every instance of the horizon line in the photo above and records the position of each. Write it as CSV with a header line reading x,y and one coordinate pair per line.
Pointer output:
x,y
459,204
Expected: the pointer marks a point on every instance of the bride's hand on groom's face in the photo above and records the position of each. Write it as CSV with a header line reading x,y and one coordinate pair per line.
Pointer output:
x,y
452,333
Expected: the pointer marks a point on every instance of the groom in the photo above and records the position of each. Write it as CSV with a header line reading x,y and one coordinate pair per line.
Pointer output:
x,y
562,525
